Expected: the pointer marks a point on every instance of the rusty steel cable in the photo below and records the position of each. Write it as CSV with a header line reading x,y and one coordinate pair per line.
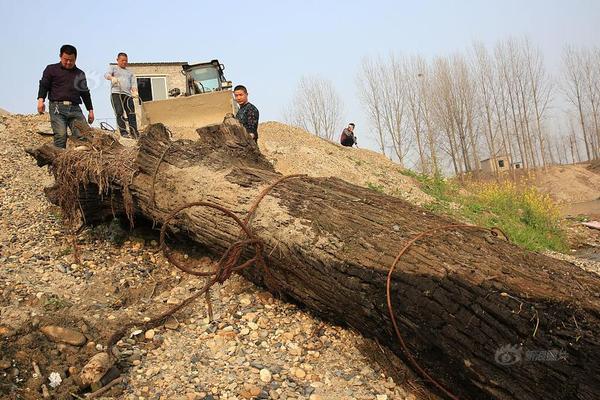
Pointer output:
x,y
226,265
428,233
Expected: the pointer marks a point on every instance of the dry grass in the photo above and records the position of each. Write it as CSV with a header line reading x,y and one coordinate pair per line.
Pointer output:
x,y
99,161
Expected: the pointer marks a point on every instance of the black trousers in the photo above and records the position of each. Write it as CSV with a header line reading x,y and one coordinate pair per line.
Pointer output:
x,y
123,105
347,141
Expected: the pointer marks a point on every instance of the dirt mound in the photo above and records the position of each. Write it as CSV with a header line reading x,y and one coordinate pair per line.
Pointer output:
x,y
595,167
295,151
569,183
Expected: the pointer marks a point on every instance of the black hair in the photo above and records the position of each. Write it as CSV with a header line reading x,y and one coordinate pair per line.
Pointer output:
x,y
68,49
122,54
351,123
241,87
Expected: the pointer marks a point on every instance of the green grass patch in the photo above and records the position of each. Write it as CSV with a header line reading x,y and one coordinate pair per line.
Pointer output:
x,y
529,218
375,187
55,303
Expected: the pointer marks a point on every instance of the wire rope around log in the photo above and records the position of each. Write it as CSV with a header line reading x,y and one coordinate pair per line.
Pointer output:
x,y
428,233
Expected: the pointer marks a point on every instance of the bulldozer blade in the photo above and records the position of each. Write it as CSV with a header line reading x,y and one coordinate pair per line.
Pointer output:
x,y
194,111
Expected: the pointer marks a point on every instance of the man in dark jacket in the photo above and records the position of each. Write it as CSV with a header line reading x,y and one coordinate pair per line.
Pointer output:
x,y
66,86
347,138
247,114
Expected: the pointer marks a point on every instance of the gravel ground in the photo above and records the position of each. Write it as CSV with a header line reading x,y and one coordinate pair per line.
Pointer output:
x,y
256,347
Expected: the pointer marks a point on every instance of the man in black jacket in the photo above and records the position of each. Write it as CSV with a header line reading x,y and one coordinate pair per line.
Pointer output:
x,y
347,138
248,113
66,86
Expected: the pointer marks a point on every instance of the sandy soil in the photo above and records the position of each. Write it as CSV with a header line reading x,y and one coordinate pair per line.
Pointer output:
x,y
569,183
295,151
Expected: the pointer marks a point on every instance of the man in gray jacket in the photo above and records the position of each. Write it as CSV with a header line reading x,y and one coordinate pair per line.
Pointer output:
x,y
123,91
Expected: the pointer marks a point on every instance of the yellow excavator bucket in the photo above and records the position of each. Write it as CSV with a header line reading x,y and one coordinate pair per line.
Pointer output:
x,y
190,112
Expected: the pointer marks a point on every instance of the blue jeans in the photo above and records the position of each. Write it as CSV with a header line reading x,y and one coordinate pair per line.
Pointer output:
x,y
61,117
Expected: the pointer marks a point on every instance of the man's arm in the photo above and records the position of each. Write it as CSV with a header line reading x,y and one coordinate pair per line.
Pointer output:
x,y
84,92
109,74
44,88
134,86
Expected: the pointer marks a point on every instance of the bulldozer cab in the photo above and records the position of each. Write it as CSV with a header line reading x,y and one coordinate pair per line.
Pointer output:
x,y
205,100
204,78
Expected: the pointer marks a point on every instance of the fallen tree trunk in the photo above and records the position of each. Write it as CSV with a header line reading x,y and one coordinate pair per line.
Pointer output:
x,y
485,318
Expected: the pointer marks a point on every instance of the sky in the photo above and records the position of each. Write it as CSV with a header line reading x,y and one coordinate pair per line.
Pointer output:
x,y
269,45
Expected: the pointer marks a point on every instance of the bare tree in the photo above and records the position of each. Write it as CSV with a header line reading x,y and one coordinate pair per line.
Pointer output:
x,y
590,61
394,106
484,70
574,88
382,88
450,110
369,81
541,90
316,107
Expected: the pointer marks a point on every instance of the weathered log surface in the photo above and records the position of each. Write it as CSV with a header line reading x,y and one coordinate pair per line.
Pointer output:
x,y
474,309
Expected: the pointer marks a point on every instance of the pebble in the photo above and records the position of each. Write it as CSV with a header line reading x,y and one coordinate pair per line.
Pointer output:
x,y
172,324
64,335
300,373
95,369
265,375
149,335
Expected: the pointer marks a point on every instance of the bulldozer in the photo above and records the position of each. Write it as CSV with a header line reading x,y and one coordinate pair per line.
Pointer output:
x,y
205,100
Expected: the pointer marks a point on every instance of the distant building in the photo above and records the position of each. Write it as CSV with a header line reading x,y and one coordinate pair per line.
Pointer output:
x,y
498,163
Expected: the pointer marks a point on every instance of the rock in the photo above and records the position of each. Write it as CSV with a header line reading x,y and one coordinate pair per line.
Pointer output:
x,y
382,397
245,301
300,373
250,391
6,332
44,127
265,375
149,335
136,332
55,379
4,364
172,324
314,397
95,369
63,335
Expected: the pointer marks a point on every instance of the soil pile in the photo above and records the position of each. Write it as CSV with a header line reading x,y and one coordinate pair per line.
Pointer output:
x,y
595,167
569,183
295,151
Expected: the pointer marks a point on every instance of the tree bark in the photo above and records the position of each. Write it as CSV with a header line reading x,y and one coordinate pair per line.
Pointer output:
x,y
482,316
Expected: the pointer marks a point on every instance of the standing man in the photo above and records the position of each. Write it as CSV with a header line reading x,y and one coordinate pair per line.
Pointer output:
x,y
123,91
247,114
66,86
347,138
